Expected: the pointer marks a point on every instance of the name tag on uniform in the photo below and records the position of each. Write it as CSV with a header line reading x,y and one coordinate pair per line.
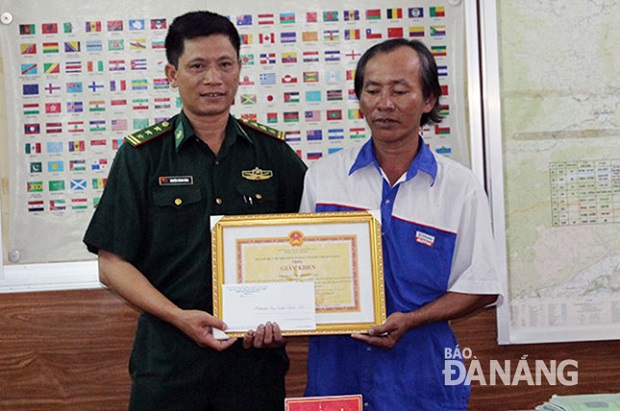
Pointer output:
x,y
176,180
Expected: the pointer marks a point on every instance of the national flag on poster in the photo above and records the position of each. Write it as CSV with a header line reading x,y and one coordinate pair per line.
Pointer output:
x,y
244,20
289,57
333,76
265,18
30,89
137,44
394,13
441,130
439,11
247,59
314,135
444,110
54,146
247,39
311,76
249,116
51,68
29,48
161,103
77,165
334,95
77,146
291,116
98,144
75,126
117,143
267,78
118,124
289,79
287,18
78,184
31,109
438,51
288,37
355,114
34,186
370,34
57,205
138,64
246,80
140,104
94,86
100,164
329,16
158,44
35,206
351,15
93,26
49,28
247,99
74,87
352,34
52,88
311,17
373,14
96,105
291,97
99,183
314,155
310,36
94,66
272,117
357,132
32,128
266,38
312,115
267,58
73,67
332,55
53,108
53,128
32,148
139,84
293,136
97,125
416,31
444,89
310,56
75,106
72,46
335,134
26,29
137,24
118,103
50,47
438,31
313,96
56,185
416,12
79,203
442,71
332,150
29,69
334,114
331,35
116,45
394,32
118,85
115,25
158,24
69,28
55,166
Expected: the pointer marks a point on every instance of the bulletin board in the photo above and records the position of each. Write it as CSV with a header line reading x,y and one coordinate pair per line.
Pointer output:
x,y
77,82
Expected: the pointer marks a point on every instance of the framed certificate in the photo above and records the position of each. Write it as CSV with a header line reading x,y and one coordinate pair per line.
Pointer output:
x,y
265,267
332,403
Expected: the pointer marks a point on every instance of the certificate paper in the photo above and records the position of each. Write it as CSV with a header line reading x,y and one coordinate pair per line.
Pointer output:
x,y
339,253
289,304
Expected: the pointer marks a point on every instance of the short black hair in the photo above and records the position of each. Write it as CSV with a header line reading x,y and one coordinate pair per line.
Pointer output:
x,y
197,24
429,77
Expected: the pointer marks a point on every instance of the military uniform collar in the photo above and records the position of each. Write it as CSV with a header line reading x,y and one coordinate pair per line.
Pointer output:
x,y
183,131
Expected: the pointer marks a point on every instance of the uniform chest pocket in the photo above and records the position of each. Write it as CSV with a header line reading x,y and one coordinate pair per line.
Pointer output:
x,y
176,197
174,214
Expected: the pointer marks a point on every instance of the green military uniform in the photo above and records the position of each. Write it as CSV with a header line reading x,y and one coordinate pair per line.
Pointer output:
x,y
163,186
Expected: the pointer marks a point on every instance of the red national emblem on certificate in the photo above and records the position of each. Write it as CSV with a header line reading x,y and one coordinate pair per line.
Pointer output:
x,y
296,238
333,403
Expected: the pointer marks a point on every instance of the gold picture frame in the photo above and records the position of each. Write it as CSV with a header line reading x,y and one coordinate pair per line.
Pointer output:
x,y
328,249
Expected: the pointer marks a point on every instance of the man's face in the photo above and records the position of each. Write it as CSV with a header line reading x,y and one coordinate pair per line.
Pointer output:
x,y
207,75
391,98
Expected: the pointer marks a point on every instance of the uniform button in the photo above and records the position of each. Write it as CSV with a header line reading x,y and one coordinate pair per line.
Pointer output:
x,y
217,163
218,201
178,201
258,196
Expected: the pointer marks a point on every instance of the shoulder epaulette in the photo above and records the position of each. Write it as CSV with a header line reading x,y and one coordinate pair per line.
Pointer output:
x,y
149,133
272,132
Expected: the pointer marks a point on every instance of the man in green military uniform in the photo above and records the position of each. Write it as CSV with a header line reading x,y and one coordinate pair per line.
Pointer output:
x,y
151,230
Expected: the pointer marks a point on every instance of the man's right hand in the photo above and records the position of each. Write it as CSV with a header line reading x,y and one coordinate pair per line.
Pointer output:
x,y
198,325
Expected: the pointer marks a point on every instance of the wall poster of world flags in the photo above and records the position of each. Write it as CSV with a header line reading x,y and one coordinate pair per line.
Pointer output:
x,y
82,75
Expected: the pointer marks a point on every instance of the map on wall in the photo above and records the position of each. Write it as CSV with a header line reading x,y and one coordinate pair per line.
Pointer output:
x,y
560,86
78,82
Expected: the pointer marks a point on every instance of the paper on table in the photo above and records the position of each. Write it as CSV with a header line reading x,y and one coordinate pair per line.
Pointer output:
x,y
289,304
